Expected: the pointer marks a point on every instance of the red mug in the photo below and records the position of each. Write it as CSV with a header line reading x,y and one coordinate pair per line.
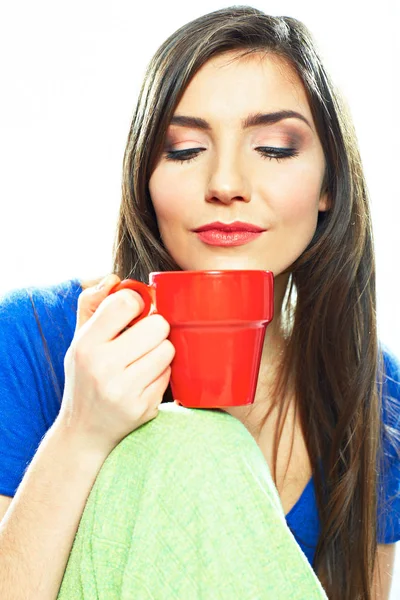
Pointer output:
x,y
218,321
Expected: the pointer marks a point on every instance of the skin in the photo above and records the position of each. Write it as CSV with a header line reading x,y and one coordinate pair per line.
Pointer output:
x,y
230,180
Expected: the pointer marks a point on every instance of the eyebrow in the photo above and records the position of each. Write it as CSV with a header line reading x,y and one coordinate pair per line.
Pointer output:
x,y
250,121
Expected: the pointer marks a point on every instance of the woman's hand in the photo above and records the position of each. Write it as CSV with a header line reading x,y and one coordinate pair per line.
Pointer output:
x,y
114,382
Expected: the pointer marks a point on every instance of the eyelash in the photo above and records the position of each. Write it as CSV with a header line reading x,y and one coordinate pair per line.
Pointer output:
x,y
190,154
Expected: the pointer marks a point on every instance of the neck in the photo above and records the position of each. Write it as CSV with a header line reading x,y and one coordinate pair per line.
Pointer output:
x,y
274,335
272,354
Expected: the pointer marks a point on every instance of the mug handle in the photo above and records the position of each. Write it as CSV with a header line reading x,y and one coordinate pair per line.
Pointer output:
x,y
147,293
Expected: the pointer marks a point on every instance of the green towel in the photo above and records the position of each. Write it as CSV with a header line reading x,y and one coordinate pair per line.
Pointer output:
x,y
185,508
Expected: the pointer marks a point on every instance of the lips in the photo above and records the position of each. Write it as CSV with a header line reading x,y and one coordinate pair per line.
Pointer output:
x,y
236,226
217,237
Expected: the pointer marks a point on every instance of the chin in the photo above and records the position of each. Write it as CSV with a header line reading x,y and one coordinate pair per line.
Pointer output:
x,y
221,263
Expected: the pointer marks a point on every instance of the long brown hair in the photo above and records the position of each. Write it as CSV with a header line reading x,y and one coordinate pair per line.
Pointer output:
x,y
331,354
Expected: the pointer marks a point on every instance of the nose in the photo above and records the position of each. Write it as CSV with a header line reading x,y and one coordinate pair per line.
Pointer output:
x,y
227,181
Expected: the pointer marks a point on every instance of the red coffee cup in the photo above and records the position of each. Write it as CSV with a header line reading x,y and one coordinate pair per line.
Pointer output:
x,y
218,321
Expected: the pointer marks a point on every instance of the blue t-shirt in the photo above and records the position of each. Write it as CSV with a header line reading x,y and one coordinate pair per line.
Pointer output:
x,y
31,393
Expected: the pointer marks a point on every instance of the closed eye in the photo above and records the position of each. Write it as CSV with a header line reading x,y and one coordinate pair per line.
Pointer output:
x,y
266,152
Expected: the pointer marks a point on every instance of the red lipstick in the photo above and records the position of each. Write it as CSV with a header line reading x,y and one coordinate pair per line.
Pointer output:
x,y
228,234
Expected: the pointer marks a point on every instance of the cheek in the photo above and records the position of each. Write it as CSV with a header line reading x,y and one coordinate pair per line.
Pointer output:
x,y
295,196
171,201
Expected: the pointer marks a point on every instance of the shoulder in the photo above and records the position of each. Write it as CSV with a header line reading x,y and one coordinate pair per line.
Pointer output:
x,y
389,375
391,364
388,380
36,328
17,312
389,464
37,324
30,311
19,300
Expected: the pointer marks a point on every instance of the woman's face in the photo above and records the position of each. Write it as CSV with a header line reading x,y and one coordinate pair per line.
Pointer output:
x,y
229,178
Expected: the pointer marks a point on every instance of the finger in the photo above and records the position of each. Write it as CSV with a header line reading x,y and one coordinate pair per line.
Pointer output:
x,y
90,299
142,373
115,312
152,396
141,338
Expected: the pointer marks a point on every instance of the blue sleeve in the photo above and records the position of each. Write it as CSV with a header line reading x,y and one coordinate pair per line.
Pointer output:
x,y
389,472
30,385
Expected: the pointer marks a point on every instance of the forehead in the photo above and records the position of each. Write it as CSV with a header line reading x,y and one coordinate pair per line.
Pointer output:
x,y
231,86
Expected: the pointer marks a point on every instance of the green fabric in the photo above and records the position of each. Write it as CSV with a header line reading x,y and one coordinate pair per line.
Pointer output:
x,y
185,508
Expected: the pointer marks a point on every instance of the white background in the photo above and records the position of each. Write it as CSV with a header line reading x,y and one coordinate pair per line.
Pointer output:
x,y
70,76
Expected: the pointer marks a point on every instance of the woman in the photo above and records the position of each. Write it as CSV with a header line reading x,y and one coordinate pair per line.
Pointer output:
x,y
199,150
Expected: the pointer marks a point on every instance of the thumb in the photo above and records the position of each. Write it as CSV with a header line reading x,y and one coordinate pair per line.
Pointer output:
x,y
91,298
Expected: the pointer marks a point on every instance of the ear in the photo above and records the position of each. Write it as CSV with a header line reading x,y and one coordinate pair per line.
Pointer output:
x,y
324,202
